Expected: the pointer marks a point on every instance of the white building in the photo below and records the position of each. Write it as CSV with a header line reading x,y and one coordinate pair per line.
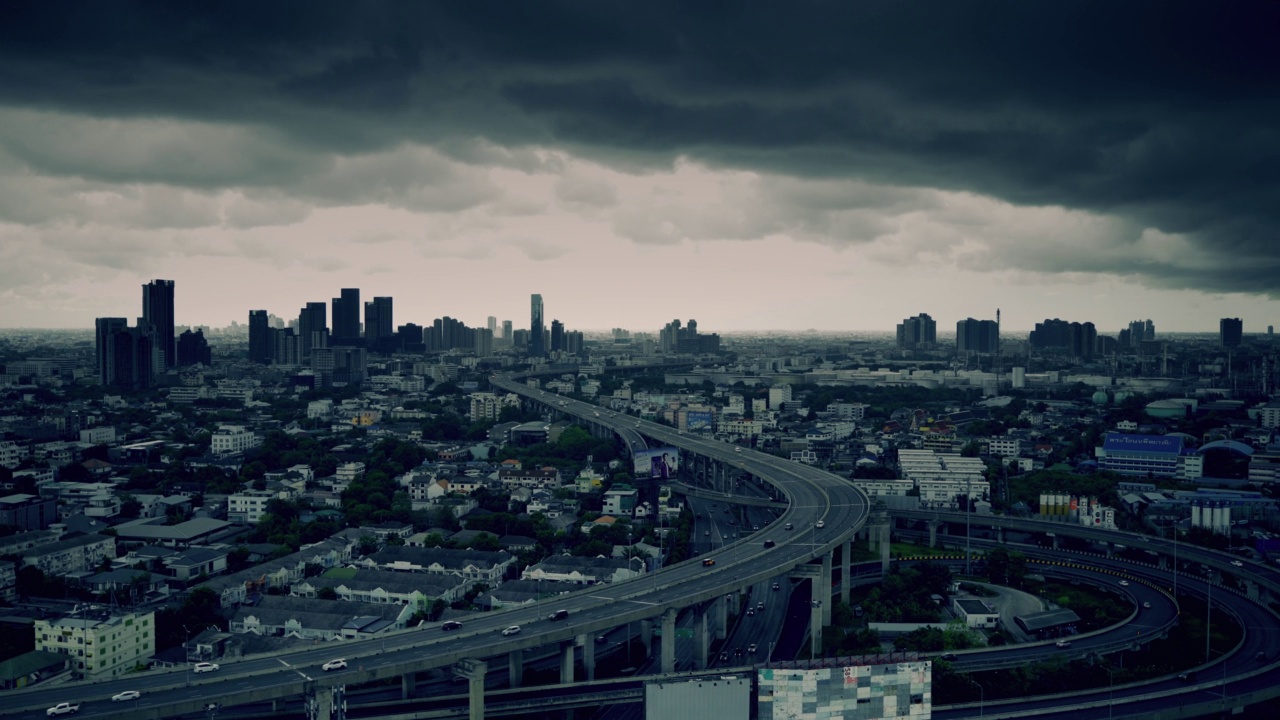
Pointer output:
x,y
248,506
320,409
12,454
98,435
1005,447
232,439
778,395
349,472
1269,414
100,645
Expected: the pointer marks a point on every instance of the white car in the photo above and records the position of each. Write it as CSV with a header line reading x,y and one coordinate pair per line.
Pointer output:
x,y
204,667
1237,563
1124,583
339,664
822,523
512,630
126,695
1146,606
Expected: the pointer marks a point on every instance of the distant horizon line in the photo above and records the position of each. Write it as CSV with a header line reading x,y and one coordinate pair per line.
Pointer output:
x,y
812,331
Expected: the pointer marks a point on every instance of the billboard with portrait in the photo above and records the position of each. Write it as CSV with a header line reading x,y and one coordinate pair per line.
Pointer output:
x,y
657,463
698,421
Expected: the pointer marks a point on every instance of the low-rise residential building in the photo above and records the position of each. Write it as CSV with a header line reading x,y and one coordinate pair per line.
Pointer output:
x,y
320,619
546,477
471,565
248,506
230,439
28,512
100,645
73,555
8,581
385,587
584,570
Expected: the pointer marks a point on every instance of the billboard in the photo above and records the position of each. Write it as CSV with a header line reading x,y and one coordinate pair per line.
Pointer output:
x,y
706,698
697,421
865,692
657,463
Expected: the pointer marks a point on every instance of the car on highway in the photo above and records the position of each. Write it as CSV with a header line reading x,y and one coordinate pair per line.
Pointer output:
x,y
1146,606
126,695
511,630
706,533
1237,563
822,523
769,543
724,656
602,639
949,657
1124,583
1063,643
339,664
788,526
558,615
751,613
737,449
66,708
451,625
204,667
776,586
759,606
751,648
708,562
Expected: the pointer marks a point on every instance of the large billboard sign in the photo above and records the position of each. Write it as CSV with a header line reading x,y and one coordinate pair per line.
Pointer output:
x,y
698,421
657,463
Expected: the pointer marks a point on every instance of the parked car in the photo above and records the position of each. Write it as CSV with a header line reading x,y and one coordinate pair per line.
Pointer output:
x,y
126,695
511,630
204,667
339,664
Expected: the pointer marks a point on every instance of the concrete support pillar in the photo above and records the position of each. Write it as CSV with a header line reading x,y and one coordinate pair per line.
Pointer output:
x,y
873,537
825,595
323,700
702,637
669,641
566,661
933,533
646,637
1111,549
515,668
1055,542
884,555
408,684
721,605
1163,562
846,575
815,625
475,672
588,655
1000,535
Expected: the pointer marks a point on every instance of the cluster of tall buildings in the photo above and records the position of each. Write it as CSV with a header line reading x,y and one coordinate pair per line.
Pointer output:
x,y
130,357
686,339
918,333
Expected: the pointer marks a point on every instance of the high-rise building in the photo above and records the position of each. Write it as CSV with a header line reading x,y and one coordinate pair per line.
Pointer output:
x,y
1141,331
125,355
918,333
977,336
346,318
1230,332
157,312
493,326
674,338
557,335
537,331
378,327
193,349
506,332
313,328
1078,339
483,342
260,342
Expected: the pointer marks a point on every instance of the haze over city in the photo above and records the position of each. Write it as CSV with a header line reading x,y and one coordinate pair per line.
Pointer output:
x,y
816,166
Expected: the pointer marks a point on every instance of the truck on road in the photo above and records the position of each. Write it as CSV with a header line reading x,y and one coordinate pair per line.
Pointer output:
x,y
65,708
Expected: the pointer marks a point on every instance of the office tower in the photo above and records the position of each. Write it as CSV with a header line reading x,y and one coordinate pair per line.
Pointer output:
x,y
674,338
346,318
1230,332
410,336
537,331
506,332
378,325
557,335
918,333
493,326
313,328
483,342
977,336
157,312
573,341
193,349
125,354
259,337
285,349
104,330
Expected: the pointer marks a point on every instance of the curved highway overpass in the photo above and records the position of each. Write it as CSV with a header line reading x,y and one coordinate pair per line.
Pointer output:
x,y
814,497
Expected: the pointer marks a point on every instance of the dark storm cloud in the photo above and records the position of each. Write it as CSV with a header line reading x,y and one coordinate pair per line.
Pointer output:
x,y
1163,114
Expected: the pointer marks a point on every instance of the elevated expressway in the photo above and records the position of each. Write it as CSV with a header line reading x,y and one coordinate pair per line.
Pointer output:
x,y
813,496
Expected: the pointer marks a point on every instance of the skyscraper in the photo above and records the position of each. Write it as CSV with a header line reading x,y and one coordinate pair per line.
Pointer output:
x,y
125,355
378,326
260,341
557,335
1230,332
493,326
346,317
506,332
537,331
104,329
313,328
193,349
157,312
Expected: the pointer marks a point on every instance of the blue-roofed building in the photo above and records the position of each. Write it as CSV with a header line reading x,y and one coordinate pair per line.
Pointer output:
x,y
1141,454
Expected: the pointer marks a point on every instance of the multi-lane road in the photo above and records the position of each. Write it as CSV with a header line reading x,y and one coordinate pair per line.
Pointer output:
x,y
814,496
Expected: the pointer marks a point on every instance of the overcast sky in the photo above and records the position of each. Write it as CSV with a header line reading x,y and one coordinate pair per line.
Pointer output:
x,y
791,165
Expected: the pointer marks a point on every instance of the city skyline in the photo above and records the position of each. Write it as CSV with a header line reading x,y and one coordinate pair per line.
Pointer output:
x,y
836,170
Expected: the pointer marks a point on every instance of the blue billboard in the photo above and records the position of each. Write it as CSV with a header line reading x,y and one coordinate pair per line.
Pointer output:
x,y
657,463
697,421
1160,444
